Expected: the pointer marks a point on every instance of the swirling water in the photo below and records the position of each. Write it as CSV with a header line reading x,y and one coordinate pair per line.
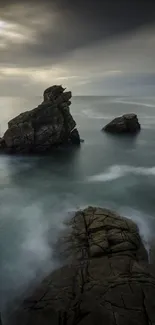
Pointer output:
x,y
36,193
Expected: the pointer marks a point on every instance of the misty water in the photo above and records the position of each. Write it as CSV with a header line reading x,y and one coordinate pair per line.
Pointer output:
x,y
37,193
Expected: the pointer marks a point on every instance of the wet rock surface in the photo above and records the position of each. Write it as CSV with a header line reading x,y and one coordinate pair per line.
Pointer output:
x,y
41,129
127,123
105,279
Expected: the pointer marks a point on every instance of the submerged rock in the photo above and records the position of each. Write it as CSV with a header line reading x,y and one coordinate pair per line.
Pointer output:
x,y
44,127
127,123
105,279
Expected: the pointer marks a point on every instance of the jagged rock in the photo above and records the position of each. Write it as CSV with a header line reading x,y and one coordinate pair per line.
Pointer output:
x,y
74,137
105,279
127,123
52,93
44,127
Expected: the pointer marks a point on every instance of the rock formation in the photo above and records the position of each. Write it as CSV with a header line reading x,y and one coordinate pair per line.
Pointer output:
x,y
105,279
127,123
44,127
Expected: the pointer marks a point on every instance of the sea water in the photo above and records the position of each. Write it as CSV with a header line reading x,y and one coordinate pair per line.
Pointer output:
x,y
37,193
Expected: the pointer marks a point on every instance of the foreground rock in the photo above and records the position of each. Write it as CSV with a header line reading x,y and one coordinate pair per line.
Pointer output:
x,y
127,123
105,279
47,126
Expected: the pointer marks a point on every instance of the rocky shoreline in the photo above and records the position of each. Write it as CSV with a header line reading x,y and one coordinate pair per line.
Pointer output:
x,y
105,280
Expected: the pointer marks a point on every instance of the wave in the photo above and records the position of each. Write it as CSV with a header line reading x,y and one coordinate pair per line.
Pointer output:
x,y
133,103
117,171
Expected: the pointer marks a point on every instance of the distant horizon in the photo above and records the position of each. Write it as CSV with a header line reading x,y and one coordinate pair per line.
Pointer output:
x,y
86,95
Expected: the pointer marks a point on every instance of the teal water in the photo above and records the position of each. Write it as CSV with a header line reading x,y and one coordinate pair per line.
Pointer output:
x,y
37,193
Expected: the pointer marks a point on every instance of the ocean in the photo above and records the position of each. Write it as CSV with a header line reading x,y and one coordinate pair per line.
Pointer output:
x,y
37,193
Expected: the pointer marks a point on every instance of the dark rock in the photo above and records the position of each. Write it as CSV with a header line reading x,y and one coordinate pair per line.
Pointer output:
x,y
64,97
2,143
19,136
47,126
75,137
51,93
127,123
105,279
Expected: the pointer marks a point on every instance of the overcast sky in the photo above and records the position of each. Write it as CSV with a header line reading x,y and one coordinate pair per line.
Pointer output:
x,y
91,46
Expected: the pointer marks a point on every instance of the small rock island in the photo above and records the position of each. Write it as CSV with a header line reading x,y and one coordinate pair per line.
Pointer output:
x,y
127,123
105,278
43,128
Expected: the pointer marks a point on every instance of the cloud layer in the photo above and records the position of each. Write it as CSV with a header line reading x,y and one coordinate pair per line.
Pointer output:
x,y
79,43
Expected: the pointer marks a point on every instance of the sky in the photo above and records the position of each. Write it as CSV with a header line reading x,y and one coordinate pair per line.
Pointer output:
x,y
93,47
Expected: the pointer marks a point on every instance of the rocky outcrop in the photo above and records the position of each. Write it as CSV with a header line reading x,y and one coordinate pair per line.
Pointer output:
x,y
105,279
2,143
44,127
127,123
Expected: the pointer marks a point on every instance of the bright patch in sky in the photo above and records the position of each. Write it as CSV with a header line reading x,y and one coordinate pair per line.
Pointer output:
x,y
2,24
11,32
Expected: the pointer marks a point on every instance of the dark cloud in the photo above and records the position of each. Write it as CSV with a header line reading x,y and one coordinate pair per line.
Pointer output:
x,y
86,44
78,24
119,15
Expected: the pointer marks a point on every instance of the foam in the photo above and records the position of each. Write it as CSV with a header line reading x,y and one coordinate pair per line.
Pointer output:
x,y
117,171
